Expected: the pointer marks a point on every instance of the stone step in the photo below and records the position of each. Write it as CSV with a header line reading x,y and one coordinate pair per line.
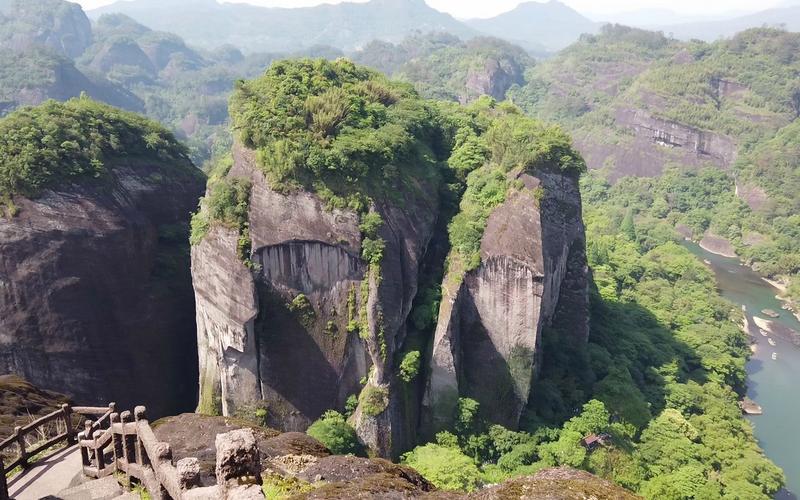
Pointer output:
x,y
106,488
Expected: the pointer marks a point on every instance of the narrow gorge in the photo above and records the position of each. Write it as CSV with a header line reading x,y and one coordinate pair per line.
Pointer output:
x,y
298,312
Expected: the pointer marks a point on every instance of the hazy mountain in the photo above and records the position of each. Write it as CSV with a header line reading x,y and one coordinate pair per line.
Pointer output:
x,y
346,26
59,26
442,66
787,17
551,25
658,17
35,75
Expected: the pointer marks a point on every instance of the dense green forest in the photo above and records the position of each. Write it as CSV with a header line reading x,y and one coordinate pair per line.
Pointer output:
x,y
57,143
584,85
661,375
743,87
442,66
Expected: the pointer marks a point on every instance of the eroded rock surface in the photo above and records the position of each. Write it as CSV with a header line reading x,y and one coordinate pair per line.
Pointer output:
x,y
533,267
64,29
282,332
94,289
561,483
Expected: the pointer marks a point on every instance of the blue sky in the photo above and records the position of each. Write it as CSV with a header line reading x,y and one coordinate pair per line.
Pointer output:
x,y
488,8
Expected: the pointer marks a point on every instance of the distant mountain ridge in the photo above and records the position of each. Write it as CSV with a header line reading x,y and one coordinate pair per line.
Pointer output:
x,y
539,27
785,17
347,26
536,25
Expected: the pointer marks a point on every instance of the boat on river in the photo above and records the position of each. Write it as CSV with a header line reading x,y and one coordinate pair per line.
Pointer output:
x,y
763,332
774,355
771,342
770,313
750,407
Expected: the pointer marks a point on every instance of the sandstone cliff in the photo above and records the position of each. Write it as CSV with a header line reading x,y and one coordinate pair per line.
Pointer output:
x,y
533,272
281,333
494,79
313,240
95,299
653,142
290,331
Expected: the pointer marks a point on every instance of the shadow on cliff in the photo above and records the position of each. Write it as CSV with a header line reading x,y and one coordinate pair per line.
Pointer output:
x,y
487,375
300,375
618,366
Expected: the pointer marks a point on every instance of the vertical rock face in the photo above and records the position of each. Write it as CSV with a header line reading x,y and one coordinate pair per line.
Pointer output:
x,y
533,267
288,330
310,320
494,79
95,300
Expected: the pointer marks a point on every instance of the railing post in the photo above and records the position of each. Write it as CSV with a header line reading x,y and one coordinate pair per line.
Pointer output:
x,y
3,483
116,443
112,407
84,452
67,409
86,458
20,438
139,413
127,446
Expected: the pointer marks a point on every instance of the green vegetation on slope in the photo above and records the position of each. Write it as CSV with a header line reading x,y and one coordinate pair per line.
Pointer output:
x,y
492,143
335,433
57,143
694,91
588,75
744,87
441,66
336,128
767,238
227,202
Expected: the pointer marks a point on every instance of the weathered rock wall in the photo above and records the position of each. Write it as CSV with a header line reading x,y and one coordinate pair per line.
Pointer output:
x,y
293,334
95,297
533,265
65,29
650,143
310,323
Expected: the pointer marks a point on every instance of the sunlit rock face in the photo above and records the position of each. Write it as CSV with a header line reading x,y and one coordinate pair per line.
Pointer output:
x,y
282,332
307,323
533,274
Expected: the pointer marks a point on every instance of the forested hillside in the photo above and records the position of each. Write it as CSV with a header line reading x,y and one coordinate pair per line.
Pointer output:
x,y
442,66
639,104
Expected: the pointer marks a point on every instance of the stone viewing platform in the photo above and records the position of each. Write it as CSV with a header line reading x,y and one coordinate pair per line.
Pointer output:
x,y
125,446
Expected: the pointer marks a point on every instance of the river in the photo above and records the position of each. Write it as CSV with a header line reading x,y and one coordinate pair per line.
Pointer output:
x,y
773,384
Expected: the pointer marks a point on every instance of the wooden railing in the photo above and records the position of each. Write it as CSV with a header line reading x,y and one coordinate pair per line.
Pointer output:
x,y
126,444
39,427
131,448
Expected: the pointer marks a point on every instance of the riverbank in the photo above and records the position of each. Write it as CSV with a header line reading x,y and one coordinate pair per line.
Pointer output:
x,y
717,245
786,303
771,383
